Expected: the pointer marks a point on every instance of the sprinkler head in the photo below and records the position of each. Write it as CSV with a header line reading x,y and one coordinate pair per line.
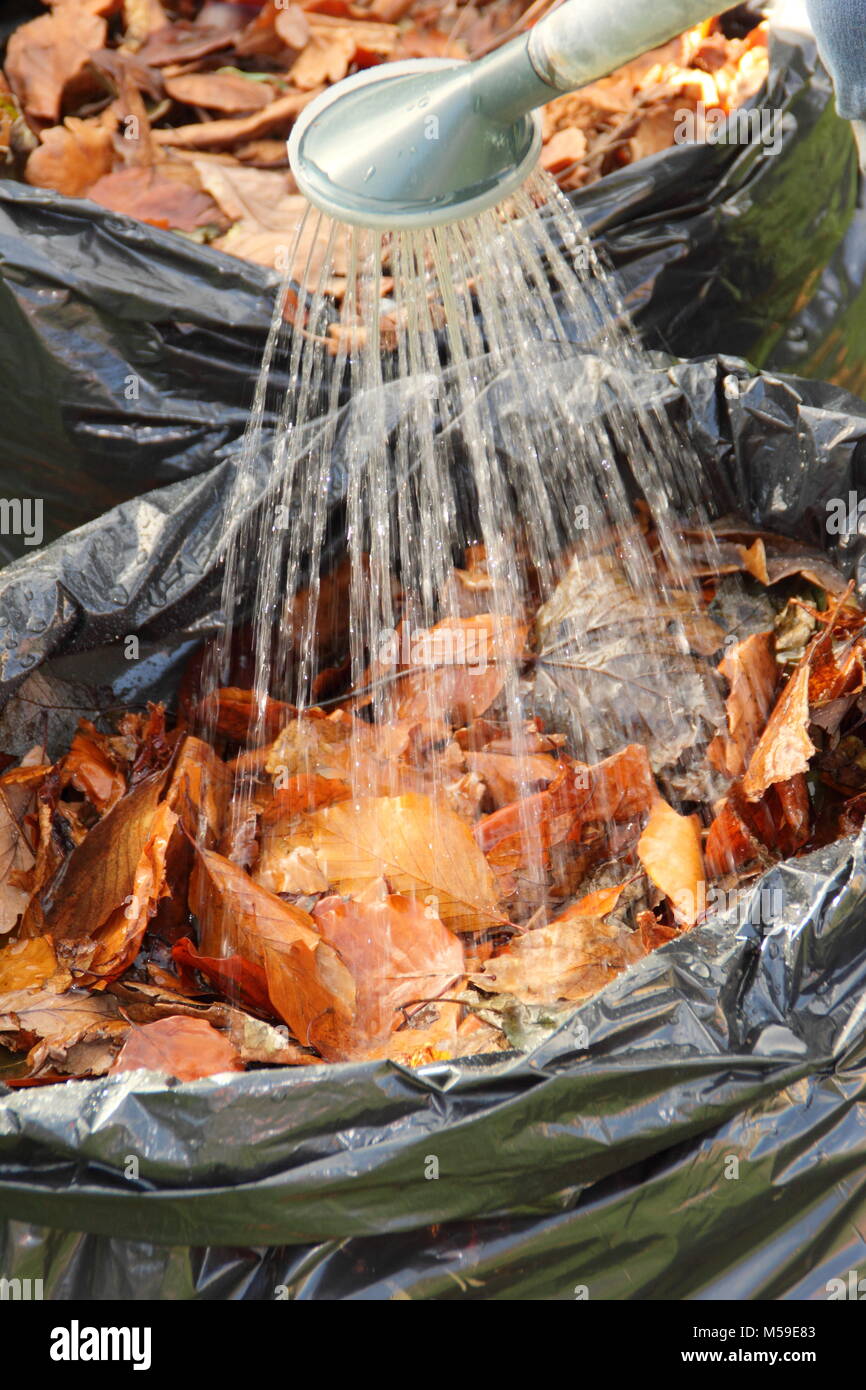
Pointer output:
x,y
413,144
420,143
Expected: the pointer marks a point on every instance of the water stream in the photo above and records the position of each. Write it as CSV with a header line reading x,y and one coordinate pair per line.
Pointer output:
x,y
450,398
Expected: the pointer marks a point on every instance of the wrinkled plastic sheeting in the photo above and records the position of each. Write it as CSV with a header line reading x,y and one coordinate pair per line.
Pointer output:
x,y
600,1159
130,354
774,447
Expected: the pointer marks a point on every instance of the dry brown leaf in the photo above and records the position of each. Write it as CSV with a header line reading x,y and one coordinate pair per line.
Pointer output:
x,y
670,851
114,946
199,791
751,672
91,767
153,195
325,59
507,777
565,148
269,222
141,18
398,953
182,41
100,873
569,959
228,91
420,848
292,26
785,748
232,976
73,1034
237,916
16,861
186,1048
211,135
620,788
71,157
42,57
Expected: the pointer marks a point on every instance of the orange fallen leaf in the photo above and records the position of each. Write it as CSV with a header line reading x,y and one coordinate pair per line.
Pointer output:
x,y
324,60
670,851
91,768
111,948
71,157
232,976
100,873
237,916
785,748
234,714
571,958
751,672
43,56
507,777
418,846
398,952
27,963
229,91
186,1048
565,148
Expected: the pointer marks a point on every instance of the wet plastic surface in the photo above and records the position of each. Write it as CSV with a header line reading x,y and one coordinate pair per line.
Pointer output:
x,y
604,1158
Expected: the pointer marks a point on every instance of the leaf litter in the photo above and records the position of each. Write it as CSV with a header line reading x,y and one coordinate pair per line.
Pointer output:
x,y
176,112
400,886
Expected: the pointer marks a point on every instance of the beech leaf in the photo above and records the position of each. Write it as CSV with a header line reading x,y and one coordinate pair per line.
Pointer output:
x,y
186,1048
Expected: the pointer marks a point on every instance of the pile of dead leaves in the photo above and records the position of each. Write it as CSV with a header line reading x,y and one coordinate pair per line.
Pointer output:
x,y
346,887
177,111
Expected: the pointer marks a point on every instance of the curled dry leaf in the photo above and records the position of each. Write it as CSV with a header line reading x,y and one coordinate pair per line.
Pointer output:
x,y
569,959
731,842
91,768
237,916
186,1048
234,714
99,875
42,57
670,851
232,976
74,1033
213,135
16,862
325,59
199,791
751,672
111,948
507,777
785,748
71,157
620,788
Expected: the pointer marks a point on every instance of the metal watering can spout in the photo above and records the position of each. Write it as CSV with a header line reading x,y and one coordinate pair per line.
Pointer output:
x,y
429,141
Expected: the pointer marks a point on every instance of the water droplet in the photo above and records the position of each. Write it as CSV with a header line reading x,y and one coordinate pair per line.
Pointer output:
x,y
370,173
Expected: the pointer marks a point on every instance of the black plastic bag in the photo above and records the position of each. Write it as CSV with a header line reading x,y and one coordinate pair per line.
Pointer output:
x,y
692,1132
128,355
